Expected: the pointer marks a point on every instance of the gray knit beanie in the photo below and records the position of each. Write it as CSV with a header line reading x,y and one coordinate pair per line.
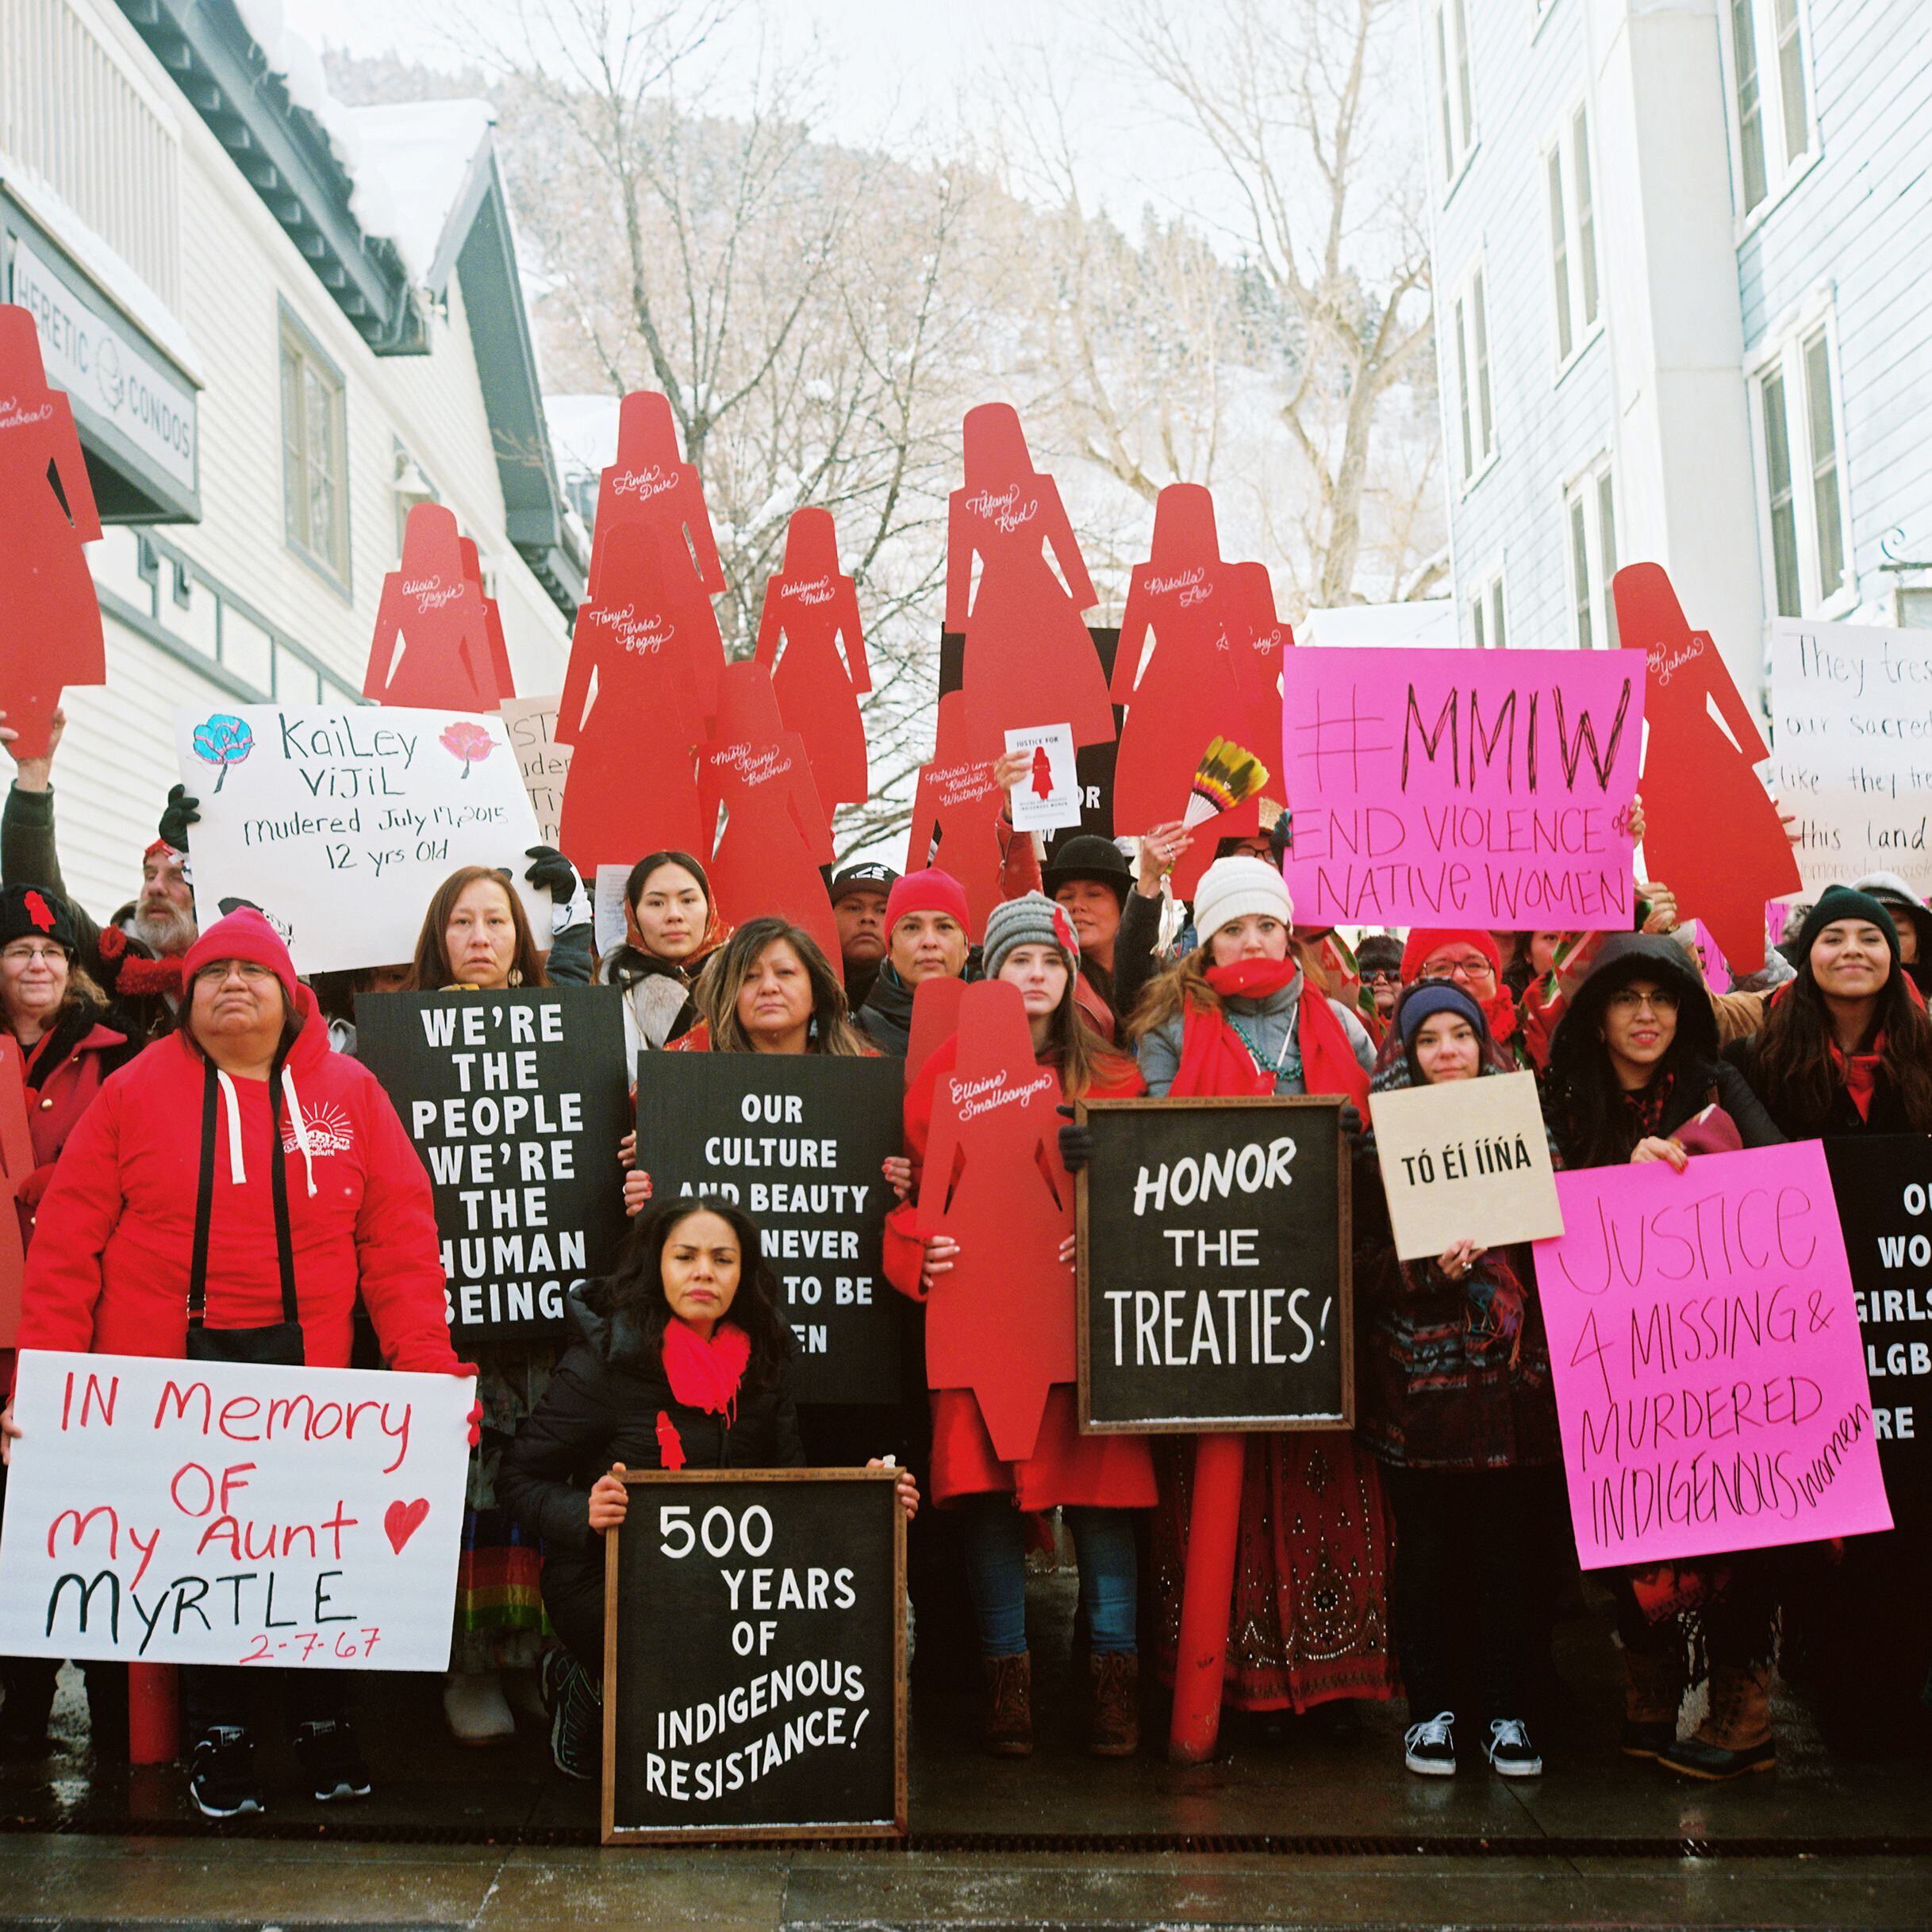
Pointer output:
x,y
1031,919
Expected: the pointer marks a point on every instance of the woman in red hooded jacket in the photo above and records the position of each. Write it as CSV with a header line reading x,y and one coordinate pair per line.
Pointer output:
x,y
193,1134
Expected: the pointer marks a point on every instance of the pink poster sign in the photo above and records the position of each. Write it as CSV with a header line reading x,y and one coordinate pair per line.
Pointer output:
x,y
1462,788
1710,1381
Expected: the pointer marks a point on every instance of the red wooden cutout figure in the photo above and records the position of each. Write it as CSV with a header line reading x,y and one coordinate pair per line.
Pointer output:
x,y
1028,658
432,647
936,1018
1002,1323
1712,832
957,802
814,610
16,1163
632,783
1187,696
776,833
50,613
493,624
651,487
1257,672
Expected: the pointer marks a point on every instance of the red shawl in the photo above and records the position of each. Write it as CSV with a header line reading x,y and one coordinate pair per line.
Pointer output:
x,y
1216,1060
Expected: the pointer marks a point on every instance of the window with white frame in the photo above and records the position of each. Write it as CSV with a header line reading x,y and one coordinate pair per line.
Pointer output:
x,y
1590,554
314,453
1803,496
1455,84
1474,428
1570,191
1486,626
1771,119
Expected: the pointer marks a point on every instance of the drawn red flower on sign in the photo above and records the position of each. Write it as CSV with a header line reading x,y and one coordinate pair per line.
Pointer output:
x,y
467,742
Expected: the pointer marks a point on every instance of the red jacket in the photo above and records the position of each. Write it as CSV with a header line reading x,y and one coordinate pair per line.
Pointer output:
x,y
55,1101
113,1240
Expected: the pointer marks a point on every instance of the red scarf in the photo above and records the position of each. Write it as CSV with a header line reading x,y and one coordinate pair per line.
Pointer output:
x,y
705,1375
1216,1060
1861,1073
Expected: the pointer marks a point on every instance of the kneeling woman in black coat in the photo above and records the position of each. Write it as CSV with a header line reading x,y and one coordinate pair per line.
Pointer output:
x,y
681,1361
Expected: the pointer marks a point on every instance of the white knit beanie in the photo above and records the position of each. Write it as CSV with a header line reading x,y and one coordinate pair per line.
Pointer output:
x,y
1231,889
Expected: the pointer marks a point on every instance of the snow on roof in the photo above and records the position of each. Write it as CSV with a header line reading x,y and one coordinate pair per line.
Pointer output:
x,y
583,433
426,154
1426,620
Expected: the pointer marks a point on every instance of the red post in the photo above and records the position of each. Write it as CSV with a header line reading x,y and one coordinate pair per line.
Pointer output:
x,y
154,1724
1214,1524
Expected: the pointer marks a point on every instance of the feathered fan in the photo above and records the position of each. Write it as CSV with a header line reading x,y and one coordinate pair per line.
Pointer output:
x,y
1227,777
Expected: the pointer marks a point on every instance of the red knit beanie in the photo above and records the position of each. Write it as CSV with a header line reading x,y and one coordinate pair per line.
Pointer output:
x,y
243,934
1421,944
929,891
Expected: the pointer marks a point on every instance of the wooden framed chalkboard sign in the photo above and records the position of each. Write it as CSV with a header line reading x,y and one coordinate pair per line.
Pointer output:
x,y
755,1657
1214,1290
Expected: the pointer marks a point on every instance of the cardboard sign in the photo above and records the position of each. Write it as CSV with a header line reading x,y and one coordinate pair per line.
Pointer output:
x,y
1710,1381
340,825
433,648
608,925
1048,798
1882,1183
206,1513
1466,1161
1850,707
531,723
50,613
796,1140
1215,1290
755,1657
1462,788
515,1101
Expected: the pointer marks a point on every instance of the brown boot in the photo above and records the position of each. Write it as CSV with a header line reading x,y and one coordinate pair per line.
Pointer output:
x,y
1116,1705
1653,1690
1009,1706
1735,1737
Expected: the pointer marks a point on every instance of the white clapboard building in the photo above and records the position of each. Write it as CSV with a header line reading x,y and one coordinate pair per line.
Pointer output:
x,y
282,323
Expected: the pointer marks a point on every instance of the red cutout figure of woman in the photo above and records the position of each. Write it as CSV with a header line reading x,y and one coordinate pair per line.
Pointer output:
x,y
814,610
1257,672
958,803
651,487
50,616
432,647
632,784
1712,832
493,623
1028,660
1187,696
777,832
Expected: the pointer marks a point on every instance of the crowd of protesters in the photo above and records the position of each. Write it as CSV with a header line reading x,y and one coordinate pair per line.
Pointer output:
x,y
180,1205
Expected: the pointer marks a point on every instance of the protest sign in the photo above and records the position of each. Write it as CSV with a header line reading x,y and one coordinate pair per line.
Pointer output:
x,y
796,1140
1048,798
515,1101
531,723
1215,1292
1851,709
1461,788
340,825
1709,1378
227,1513
1465,1161
608,908
1882,1183
755,1657
436,635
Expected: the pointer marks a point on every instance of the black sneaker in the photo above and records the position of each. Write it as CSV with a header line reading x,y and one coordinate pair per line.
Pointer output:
x,y
1429,1748
1509,1750
221,1778
330,1764
577,1723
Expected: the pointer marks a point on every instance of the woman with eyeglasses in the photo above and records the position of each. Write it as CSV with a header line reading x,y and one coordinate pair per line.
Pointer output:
x,y
1634,1075
1473,962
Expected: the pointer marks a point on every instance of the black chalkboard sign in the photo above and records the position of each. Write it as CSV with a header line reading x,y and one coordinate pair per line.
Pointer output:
x,y
796,1140
755,1657
1882,1184
517,1102
1215,1292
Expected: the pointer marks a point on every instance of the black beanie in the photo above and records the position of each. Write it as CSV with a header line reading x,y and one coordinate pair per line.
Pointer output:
x,y
32,912
1837,902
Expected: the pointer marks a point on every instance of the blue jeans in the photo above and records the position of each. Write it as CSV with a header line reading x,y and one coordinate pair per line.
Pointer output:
x,y
996,1546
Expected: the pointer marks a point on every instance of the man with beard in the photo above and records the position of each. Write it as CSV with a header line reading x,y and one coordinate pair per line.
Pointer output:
x,y
135,959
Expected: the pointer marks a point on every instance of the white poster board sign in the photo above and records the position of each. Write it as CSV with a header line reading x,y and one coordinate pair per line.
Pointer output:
x,y
1851,711
608,908
1048,798
340,825
173,1512
531,723
1465,1161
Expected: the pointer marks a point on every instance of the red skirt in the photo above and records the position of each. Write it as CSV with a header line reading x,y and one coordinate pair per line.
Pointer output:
x,y
1108,1472
1309,1620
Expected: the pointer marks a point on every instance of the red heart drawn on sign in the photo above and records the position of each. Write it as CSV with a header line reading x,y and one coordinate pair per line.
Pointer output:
x,y
401,1520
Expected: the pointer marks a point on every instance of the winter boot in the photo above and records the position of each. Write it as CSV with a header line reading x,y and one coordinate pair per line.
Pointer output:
x,y
1735,1736
1009,1705
1653,1690
1115,1722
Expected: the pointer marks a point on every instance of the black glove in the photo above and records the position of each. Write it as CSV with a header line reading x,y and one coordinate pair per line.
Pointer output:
x,y
1352,1128
177,815
1076,1144
1281,840
552,873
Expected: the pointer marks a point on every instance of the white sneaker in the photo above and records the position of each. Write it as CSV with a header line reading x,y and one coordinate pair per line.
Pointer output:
x,y
476,1711
1429,1748
1509,1750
